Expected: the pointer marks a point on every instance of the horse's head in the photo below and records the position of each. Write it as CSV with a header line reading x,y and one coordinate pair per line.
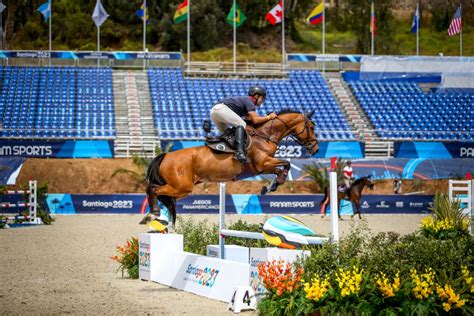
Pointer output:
x,y
368,181
303,132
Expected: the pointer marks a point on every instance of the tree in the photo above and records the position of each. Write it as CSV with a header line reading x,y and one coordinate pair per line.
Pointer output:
x,y
357,16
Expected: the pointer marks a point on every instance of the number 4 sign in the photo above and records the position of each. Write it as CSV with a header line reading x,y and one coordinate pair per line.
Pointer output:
x,y
242,299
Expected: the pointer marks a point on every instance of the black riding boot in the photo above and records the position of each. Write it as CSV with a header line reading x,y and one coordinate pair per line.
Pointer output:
x,y
240,142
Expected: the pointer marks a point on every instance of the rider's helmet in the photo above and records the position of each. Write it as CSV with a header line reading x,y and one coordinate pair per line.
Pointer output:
x,y
348,163
257,90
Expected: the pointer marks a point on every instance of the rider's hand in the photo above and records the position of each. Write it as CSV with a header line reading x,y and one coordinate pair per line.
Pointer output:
x,y
272,115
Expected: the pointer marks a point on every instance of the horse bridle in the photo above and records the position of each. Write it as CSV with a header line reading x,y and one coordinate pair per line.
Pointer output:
x,y
309,145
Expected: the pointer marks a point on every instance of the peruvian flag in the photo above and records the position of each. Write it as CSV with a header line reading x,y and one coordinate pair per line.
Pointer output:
x,y
276,14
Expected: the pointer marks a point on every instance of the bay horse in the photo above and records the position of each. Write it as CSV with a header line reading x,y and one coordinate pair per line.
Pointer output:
x,y
354,193
172,176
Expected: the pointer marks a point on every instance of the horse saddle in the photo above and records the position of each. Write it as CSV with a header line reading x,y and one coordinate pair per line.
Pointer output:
x,y
225,142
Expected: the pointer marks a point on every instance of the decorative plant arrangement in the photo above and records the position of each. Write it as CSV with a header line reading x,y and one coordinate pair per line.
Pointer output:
x,y
426,273
447,221
128,257
430,272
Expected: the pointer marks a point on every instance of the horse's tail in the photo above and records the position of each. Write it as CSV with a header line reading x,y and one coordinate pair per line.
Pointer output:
x,y
153,172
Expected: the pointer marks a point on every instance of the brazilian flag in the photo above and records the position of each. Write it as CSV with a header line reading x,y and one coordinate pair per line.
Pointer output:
x,y
239,16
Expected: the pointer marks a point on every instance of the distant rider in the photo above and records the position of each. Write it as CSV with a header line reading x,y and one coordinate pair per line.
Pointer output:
x,y
230,111
348,175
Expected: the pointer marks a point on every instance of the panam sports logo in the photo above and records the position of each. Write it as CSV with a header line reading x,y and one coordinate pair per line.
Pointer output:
x,y
466,152
295,204
204,277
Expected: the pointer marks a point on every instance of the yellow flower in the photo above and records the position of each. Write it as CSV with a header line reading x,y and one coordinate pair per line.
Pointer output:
x,y
385,287
447,307
424,283
317,289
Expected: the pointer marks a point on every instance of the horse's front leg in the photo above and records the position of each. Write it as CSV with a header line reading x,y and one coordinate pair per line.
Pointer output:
x,y
280,168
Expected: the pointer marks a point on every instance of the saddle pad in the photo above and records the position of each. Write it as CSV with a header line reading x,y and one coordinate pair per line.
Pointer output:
x,y
220,146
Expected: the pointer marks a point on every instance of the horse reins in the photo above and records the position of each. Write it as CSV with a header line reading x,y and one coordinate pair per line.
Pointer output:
x,y
308,145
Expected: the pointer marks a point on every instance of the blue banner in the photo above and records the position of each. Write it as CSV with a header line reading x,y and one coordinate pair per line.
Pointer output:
x,y
92,55
235,204
324,58
291,149
441,150
58,149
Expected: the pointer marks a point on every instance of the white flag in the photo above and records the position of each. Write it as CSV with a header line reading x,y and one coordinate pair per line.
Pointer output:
x,y
99,16
2,7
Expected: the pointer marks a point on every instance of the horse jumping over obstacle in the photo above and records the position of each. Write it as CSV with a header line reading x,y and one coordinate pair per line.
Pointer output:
x,y
173,175
354,193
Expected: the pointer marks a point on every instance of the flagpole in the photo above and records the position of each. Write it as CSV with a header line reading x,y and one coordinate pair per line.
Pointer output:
x,y
372,27
188,35
324,27
417,29
50,18
1,23
98,46
283,33
235,38
144,33
460,33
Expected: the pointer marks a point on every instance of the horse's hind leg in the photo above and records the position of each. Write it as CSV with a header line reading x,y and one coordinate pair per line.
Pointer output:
x,y
170,203
153,204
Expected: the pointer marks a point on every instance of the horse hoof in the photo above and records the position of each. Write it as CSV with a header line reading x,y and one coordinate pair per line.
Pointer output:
x,y
263,191
148,218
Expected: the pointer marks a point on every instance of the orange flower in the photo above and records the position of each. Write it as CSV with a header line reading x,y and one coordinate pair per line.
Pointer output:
x,y
279,276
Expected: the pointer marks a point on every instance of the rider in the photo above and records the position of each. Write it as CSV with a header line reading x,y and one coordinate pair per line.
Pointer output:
x,y
348,175
229,112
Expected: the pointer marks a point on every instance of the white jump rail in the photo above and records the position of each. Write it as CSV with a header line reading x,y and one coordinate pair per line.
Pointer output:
x,y
253,235
32,203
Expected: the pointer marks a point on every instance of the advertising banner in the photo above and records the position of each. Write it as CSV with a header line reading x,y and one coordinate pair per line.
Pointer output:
x,y
169,265
433,150
58,149
235,204
91,55
288,148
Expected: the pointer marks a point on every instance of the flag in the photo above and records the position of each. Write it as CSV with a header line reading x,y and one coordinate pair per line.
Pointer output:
x,y
142,13
181,13
316,16
275,15
2,7
456,23
239,16
333,163
100,15
416,21
45,9
373,19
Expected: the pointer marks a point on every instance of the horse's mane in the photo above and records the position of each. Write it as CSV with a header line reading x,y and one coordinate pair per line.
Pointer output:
x,y
287,111
358,180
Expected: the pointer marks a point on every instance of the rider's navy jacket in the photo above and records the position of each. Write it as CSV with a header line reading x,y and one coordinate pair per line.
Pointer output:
x,y
240,105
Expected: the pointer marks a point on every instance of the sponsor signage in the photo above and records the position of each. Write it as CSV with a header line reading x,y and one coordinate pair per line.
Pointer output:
x,y
58,149
91,55
170,265
106,203
437,150
235,204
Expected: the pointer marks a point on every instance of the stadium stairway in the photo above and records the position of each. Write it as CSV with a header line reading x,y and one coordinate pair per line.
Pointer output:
x,y
356,117
133,114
